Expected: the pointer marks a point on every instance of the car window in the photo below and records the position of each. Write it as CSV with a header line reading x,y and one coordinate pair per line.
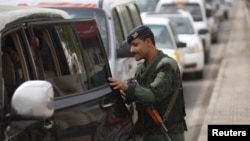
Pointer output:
x,y
182,25
71,48
125,18
162,37
13,64
47,53
98,14
134,14
72,56
193,8
92,52
118,28
146,5
174,32
20,62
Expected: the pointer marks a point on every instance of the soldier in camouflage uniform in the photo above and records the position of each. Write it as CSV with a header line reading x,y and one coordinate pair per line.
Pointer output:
x,y
158,76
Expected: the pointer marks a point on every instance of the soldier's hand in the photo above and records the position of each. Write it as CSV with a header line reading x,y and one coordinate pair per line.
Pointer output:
x,y
123,95
118,84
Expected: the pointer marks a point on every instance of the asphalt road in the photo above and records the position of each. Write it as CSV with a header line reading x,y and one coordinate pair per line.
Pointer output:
x,y
198,91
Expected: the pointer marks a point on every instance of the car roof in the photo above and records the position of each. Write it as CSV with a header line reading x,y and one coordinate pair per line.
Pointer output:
x,y
147,19
173,12
9,14
179,13
64,3
181,1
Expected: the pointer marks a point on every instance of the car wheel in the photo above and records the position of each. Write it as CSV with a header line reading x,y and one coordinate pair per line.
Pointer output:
x,y
207,57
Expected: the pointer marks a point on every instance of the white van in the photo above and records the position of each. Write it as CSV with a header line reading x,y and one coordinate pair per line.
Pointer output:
x,y
198,11
115,20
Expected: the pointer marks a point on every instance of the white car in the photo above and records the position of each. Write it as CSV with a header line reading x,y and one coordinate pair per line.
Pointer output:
x,y
213,21
183,25
165,38
198,11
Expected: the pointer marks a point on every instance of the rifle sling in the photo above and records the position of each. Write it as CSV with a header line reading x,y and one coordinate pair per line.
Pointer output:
x,y
171,103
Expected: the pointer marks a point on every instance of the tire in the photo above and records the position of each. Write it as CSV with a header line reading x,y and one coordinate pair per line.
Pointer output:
x,y
207,57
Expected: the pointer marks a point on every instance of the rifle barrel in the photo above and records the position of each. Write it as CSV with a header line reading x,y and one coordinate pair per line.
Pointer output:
x,y
165,130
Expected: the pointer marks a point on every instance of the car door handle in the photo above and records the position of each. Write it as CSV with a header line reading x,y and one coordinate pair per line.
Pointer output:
x,y
107,103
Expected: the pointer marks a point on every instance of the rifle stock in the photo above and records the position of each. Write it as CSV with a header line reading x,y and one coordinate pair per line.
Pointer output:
x,y
158,120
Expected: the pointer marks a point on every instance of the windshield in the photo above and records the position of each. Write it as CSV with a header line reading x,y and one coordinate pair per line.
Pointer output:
x,y
222,1
193,8
182,25
162,37
146,5
97,14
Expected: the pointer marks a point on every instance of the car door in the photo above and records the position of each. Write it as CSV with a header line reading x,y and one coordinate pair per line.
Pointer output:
x,y
72,58
125,17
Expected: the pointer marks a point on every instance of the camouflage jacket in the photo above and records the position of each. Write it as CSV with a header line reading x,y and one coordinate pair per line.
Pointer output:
x,y
156,84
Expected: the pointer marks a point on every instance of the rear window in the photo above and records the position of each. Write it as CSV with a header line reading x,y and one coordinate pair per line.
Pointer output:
x,y
146,5
193,8
182,25
162,37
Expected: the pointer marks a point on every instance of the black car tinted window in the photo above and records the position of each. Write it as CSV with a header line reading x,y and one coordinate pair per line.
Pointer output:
x,y
80,47
13,72
85,59
98,14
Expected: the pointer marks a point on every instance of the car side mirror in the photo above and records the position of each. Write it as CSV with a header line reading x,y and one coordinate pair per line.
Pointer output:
x,y
181,44
203,31
34,100
124,50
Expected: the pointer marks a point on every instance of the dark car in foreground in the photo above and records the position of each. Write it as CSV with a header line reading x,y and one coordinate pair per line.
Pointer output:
x,y
54,80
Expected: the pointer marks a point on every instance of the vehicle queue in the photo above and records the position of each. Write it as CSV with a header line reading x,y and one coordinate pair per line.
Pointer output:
x,y
74,85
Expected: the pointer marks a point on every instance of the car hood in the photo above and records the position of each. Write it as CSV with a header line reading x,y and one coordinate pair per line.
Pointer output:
x,y
189,39
200,25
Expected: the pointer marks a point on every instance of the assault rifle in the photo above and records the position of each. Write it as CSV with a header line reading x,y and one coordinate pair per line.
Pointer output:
x,y
158,120
154,113
156,116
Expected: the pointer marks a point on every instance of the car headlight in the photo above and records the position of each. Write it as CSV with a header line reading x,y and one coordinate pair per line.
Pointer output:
x,y
194,48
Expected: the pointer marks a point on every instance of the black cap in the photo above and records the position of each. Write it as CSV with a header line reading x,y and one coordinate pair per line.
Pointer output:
x,y
139,31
